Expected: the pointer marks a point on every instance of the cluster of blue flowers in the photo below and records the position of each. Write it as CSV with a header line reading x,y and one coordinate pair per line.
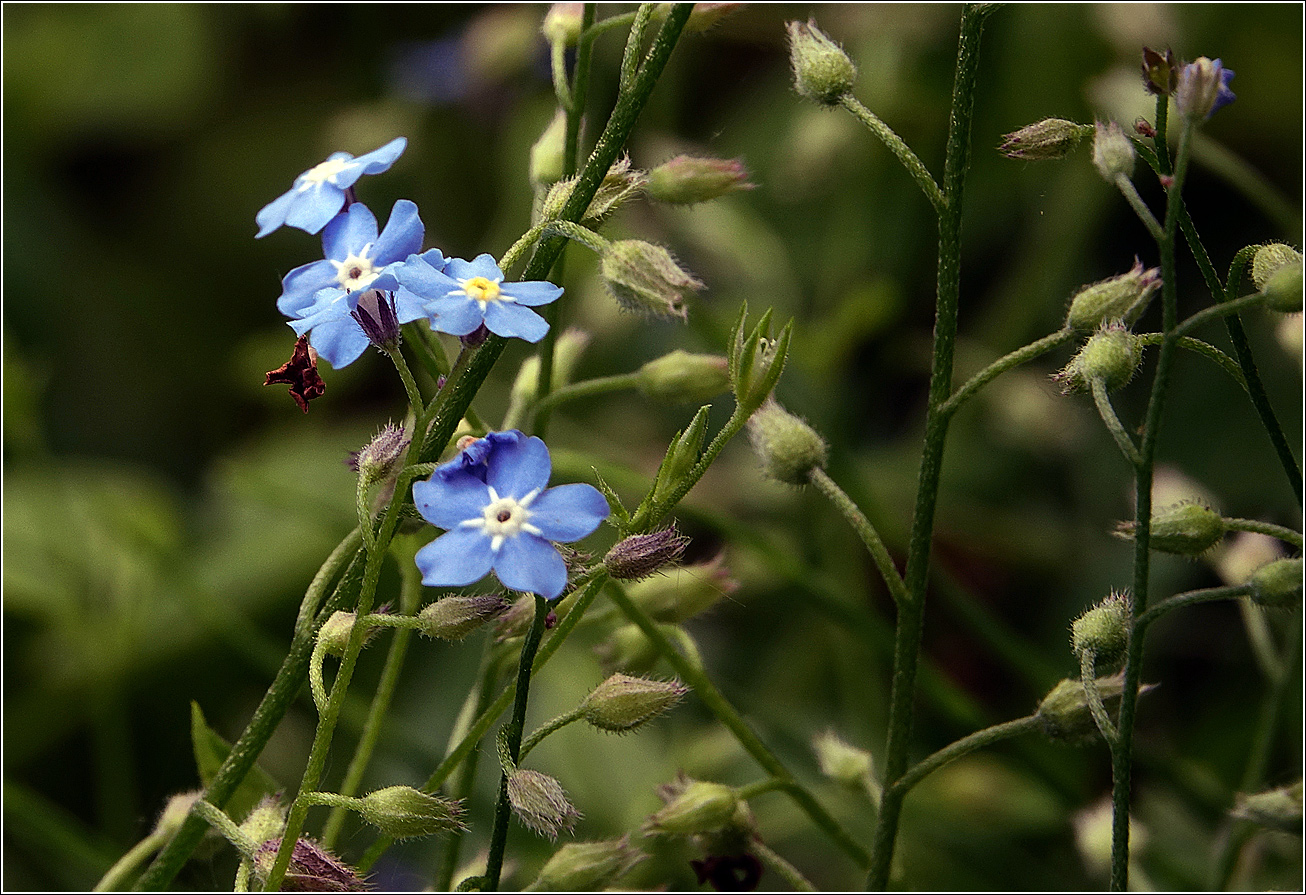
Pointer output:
x,y
321,298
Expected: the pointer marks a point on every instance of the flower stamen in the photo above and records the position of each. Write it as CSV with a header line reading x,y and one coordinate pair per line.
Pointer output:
x,y
481,289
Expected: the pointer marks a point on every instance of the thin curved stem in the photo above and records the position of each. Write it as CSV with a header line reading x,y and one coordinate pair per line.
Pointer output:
x,y
1266,528
589,388
1215,312
1021,355
1130,192
1189,598
901,151
1096,707
537,736
1197,346
1113,424
787,871
964,746
865,530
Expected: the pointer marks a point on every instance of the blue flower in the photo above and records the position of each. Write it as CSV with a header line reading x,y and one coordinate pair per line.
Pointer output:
x,y
322,295
498,515
1203,88
319,193
466,294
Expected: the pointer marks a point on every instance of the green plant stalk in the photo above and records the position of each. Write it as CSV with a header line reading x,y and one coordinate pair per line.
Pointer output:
x,y
537,736
1113,424
911,613
900,150
1266,528
964,746
116,877
635,40
1096,707
283,691
218,819
1217,311
1130,192
512,736
787,871
589,388
870,537
1022,355
724,712
1197,346
1189,598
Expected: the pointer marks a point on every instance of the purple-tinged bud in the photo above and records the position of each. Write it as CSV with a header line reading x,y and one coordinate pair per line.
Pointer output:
x,y
1276,809
541,803
1113,152
1104,630
823,72
516,620
562,23
685,179
693,806
402,812
1203,88
1111,355
684,378
639,556
686,592
788,448
1122,297
375,313
1278,583
454,617
1185,529
1065,716
312,868
622,703
1159,72
587,866
1051,138
1277,272
379,458
644,278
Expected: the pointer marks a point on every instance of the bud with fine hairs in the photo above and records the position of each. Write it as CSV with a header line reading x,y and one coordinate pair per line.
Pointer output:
x,y
1049,139
1064,715
644,278
823,72
454,617
1110,356
640,556
1113,152
312,868
540,802
1104,630
1277,584
1122,297
1185,529
788,448
693,806
686,180
587,866
402,812
1277,272
621,703
684,378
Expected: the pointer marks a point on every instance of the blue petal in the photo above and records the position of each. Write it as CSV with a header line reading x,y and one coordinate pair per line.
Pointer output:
x,y
433,257
455,559
529,564
315,206
445,501
568,512
402,235
408,307
518,465
379,160
340,341
532,293
480,266
456,315
300,285
424,280
327,305
514,321
273,215
348,232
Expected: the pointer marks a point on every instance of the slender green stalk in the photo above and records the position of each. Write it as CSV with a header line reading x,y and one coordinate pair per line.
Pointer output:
x,y
1130,192
117,877
707,693
1189,598
964,746
1266,528
590,388
787,871
1096,707
911,613
1215,312
1113,424
1197,346
761,788
635,40
1021,355
410,385
218,819
870,537
900,150
537,736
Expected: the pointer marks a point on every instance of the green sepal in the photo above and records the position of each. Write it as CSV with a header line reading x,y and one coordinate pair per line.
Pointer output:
x,y
211,751
619,511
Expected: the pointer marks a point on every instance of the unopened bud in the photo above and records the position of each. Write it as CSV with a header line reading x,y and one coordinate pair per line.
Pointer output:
x,y
562,23
174,813
1051,138
1278,583
1064,713
1159,73
1104,630
644,278
639,556
684,378
788,448
402,812
541,803
378,459
375,313
336,630
516,621
1186,529
842,762
587,866
621,184
685,592
1113,152
312,868
1277,272
454,617
1120,297
685,180
622,703
265,821
1276,809
1111,355
682,454
546,166
823,72
694,806
1203,87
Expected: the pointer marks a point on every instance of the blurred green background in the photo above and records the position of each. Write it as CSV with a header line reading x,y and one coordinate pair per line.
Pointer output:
x,y
164,511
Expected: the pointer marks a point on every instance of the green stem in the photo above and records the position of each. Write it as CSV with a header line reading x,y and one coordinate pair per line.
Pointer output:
x,y
1130,192
116,877
537,736
590,388
964,746
786,870
1021,355
1113,424
1197,346
911,613
1096,707
1189,598
218,819
870,537
900,150
410,385
1214,312
711,697
635,40
1266,528
431,357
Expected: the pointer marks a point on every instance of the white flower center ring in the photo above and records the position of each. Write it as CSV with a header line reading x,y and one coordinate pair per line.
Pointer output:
x,y
505,517
357,271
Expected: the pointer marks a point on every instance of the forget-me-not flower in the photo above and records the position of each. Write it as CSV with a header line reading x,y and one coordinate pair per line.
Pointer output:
x,y
320,296
498,514
466,294
319,193
1203,87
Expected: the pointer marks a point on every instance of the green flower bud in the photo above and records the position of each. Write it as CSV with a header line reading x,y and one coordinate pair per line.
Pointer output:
x,y
1278,583
454,617
1064,713
265,821
335,631
842,762
644,278
685,180
562,23
639,556
1051,138
1104,630
402,812
681,455
622,703
1113,152
686,593
621,184
1160,75
1186,529
1277,272
684,378
1276,809
380,457
176,810
1111,355
1122,297
541,803
546,166
823,72
587,866
693,806
788,448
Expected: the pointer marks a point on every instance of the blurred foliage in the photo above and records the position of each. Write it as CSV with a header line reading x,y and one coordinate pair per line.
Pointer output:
x,y
164,511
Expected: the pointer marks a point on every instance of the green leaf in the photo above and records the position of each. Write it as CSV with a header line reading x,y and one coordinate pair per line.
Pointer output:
x,y
211,751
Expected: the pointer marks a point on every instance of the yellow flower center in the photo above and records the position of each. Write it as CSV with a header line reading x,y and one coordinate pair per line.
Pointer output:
x,y
481,289
319,174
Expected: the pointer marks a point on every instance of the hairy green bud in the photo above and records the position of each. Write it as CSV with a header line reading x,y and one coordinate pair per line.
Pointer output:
x,y
644,278
843,762
1113,152
587,866
454,617
1276,809
693,806
823,72
1277,272
1051,138
403,812
1278,583
562,23
1104,630
1186,529
788,448
1111,355
1064,714
684,378
622,703
685,180
540,802
547,155
639,556
1122,297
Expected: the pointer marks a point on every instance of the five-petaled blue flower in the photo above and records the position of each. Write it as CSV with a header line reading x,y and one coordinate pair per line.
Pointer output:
x,y
498,514
319,193
321,295
466,294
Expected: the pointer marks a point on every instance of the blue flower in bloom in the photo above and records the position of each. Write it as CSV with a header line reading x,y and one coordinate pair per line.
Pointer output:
x,y
321,296
319,193
1203,87
466,294
498,515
